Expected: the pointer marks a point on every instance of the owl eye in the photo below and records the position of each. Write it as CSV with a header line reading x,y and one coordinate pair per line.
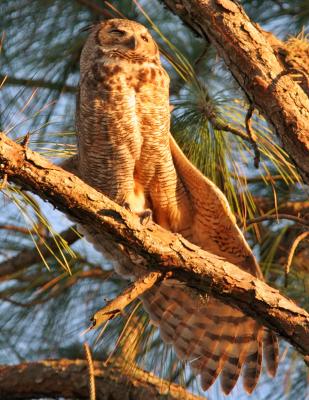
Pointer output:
x,y
118,32
145,38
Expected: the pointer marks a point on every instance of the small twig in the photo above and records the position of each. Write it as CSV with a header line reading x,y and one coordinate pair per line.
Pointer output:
x,y
117,305
276,218
223,126
252,137
293,248
26,140
37,83
92,390
118,13
202,55
19,229
257,179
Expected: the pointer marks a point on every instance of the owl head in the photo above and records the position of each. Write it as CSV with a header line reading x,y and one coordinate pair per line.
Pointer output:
x,y
120,38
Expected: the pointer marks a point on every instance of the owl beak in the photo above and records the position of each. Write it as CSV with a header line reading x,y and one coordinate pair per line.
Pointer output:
x,y
132,43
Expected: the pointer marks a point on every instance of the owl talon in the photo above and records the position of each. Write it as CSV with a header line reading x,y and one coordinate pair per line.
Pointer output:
x,y
145,216
126,205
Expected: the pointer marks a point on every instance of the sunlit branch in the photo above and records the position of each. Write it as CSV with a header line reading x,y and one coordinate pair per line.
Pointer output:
x,y
253,63
157,249
69,379
116,306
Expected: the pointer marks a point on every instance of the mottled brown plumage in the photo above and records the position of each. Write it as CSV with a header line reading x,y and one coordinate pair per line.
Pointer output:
x,y
126,151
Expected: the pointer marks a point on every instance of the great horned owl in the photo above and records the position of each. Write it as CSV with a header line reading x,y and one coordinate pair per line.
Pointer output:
x,y
126,151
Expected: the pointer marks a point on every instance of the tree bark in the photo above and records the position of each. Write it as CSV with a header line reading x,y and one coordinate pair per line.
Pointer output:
x,y
159,250
253,63
69,379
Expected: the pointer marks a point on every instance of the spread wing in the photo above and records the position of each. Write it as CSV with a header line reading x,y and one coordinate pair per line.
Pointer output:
x,y
214,337
214,225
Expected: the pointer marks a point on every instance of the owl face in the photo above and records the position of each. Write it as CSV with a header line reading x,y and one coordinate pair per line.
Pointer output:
x,y
125,38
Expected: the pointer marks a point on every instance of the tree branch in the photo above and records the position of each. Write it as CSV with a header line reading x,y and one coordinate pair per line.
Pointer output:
x,y
277,217
158,249
38,83
117,305
69,379
296,208
253,63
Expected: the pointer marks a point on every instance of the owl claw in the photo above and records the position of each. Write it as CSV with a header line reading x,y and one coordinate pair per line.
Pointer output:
x,y
126,205
145,216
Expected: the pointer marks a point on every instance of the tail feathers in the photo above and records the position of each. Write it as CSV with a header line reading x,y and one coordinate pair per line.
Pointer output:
x,y
237,356
271,351
213,350
209,375
253,362
215,338
232,369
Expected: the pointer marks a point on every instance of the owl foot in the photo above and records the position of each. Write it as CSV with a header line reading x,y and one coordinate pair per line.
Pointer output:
x,y
127,206
145,216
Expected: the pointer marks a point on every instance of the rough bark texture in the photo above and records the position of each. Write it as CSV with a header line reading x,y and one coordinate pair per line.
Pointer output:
x,y
294,56
69,379
160,250
253,63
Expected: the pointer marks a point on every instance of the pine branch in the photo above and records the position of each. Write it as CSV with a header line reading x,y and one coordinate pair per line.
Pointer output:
x,y
38,83
69,379
254,65
26,258
277,217
158,249
296,208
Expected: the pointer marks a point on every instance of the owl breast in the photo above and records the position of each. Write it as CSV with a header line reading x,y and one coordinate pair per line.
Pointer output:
x,y
123,125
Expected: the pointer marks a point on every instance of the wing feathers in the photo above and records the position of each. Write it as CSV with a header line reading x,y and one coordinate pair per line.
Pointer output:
x,y
271,351
214,227
253,362
214,337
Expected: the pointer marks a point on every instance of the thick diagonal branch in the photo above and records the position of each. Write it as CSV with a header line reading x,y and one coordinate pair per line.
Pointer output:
x,y
69,379
160,250
252,61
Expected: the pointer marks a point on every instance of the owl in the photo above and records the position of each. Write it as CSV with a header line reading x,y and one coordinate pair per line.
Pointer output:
x,y
126,151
